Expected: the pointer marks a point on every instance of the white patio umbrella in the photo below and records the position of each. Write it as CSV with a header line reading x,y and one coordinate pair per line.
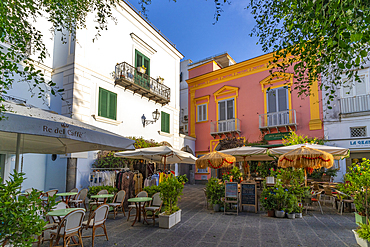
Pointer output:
x,y
337,152
29,129
164,154
248,153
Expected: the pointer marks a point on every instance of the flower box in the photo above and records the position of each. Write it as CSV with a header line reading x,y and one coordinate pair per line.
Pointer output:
x,y
360,219
360,241
168,221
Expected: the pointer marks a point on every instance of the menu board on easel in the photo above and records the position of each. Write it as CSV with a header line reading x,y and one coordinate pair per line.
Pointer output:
x,y
231,190
249,195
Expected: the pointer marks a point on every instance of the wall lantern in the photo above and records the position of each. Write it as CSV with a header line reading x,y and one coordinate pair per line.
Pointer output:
x,y
155,114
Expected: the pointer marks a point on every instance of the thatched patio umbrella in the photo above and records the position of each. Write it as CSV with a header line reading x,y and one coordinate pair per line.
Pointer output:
x,y
215,160
305,157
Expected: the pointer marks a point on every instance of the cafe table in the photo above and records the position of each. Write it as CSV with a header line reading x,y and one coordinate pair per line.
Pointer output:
x,y
66,196
138,201
62,212
105,196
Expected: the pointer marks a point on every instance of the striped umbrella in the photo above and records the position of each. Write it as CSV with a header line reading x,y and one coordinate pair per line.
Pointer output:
x,y
215,160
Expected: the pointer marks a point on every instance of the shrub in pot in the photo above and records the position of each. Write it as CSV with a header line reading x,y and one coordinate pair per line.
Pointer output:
x,y
268,200
170,192
215,191
236,174
358,184
290,205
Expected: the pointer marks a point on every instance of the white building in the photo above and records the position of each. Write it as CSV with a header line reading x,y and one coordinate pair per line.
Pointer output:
x,y
347,124
104,87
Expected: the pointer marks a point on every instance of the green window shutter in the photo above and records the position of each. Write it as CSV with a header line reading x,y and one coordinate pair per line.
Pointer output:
x,y
168,123
165,122
147,65
162,121
141,60
107,106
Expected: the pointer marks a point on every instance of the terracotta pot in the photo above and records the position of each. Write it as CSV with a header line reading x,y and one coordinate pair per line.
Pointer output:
x,y
271,213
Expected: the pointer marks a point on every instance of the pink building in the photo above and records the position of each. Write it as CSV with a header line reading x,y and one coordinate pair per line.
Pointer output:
x,y
243,100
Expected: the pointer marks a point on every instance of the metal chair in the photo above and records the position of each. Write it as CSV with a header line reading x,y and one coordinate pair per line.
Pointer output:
x,y
317,200
100,200
140,194
80,198
155,206
97,219
69,227
117,203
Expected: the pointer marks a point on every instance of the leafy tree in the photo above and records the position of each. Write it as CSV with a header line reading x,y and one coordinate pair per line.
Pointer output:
x,y
321,38
21,37
20,216
294,139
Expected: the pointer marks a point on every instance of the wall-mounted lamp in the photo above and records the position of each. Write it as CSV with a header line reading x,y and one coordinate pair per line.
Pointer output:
x,y
155,114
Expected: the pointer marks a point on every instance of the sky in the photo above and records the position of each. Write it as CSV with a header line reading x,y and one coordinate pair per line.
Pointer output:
x,y
190,25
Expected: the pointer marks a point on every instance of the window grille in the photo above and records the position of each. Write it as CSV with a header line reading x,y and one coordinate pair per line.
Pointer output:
x,y
358,131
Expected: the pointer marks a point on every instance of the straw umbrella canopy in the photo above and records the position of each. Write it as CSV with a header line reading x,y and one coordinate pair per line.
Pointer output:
x,y
247,153
215,159
305,157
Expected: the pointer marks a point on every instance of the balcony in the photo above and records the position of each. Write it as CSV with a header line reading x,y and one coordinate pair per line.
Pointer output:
x,y
128,77
360,103
224,127
278,119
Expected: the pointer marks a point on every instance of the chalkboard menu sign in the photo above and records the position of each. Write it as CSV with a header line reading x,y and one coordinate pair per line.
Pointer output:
x,y
231,190
249,195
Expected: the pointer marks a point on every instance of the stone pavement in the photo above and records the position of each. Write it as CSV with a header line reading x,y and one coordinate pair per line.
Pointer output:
x,y
202,227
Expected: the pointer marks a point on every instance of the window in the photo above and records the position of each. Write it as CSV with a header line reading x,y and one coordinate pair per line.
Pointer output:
x,y
358,131
202,113
107,104
141,60
352,87
226,109
277,106
180,76
165,122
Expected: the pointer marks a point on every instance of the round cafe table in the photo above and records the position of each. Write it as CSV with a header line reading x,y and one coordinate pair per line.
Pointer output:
x,y
62,212
138,201
105,196
66,196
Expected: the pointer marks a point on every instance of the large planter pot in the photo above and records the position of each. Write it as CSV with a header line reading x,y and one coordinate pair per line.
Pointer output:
x,y
360,219
271,213
298,215
216,207
279,214
291,216
360,241
178,216
167,221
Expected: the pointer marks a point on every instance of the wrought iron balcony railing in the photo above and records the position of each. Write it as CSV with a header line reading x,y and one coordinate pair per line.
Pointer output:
x,y
278,119
130,78
225,126
360,103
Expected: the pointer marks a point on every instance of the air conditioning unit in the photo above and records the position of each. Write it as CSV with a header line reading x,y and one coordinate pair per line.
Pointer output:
x,y
185,117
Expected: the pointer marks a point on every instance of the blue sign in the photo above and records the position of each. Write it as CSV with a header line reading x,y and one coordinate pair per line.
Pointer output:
x,y
359,143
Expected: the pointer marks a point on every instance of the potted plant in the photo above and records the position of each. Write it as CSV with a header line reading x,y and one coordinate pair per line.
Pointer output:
x,y
182,179
358,184
236,174
160,79
225,177
268,201
171,190
291,203
141,69
215,191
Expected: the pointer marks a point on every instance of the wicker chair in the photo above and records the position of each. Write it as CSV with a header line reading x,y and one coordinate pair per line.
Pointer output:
x,y
60,205
80,199
130,207
97,219
156,206
68,228
117,203
100,200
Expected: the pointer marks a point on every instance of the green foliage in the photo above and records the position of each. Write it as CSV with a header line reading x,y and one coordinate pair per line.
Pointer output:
x,y
215,190
357,183
93,190
294,139
225,176
20,32
20,216
268,198
152,190
314,39
318,173
236,173
262,168
182,179
140,142
171,190
106,159
364,231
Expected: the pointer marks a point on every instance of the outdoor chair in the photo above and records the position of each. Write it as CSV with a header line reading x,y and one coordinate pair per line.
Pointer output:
x,y
97,219
344,201
131,206
155,206
69,227
100,200
60,205
315,199
29,190
79,199
329,195
47,194
75,196
117,203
